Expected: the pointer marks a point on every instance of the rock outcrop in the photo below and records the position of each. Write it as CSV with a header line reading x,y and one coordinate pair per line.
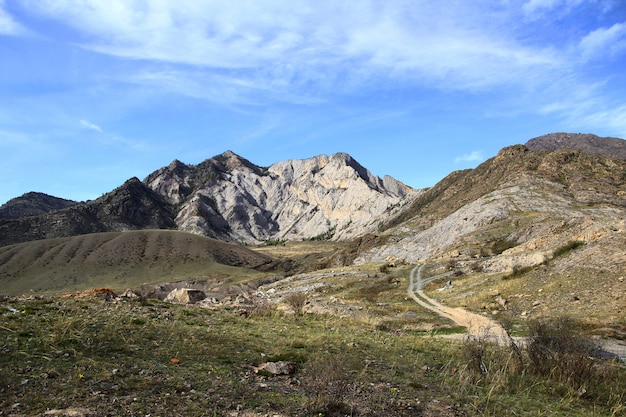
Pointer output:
x,y
185,296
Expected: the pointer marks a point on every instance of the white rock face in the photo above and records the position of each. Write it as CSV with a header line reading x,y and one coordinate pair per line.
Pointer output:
x,y
325,196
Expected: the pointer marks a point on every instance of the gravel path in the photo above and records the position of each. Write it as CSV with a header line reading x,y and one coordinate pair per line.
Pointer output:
x,y
476,324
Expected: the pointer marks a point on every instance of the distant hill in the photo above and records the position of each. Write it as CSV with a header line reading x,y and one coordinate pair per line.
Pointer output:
x,y
565,183
122,260
33,204
609,147
132,206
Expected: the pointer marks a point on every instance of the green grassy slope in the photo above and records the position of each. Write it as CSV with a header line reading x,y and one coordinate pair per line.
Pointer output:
x,y
120,260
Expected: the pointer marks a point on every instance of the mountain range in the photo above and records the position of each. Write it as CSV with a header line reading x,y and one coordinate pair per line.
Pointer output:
x,y
225,197
513,212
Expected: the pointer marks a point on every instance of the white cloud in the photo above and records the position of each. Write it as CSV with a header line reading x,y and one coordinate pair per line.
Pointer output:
x,y
9,139
474,156
88,125
604,42
8,25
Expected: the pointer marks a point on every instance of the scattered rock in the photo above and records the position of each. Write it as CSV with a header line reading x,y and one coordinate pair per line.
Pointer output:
x,y
276,368
501,301
130,294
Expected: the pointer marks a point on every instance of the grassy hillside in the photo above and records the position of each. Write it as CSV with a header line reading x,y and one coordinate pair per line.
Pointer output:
x,y
121,260
88,357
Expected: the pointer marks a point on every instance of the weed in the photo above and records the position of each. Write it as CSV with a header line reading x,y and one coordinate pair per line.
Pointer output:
x,y
127,358
328,384
262,308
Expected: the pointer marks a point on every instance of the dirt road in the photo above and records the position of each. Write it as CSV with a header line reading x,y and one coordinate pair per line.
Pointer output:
x,y
476,324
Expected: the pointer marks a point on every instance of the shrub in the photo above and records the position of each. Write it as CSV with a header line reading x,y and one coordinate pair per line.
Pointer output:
x,y
328,235
263,308
557,351
297,300
490,362
475,350
275,242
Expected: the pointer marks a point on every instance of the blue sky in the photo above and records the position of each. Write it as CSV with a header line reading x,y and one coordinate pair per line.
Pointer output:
x,y
95,92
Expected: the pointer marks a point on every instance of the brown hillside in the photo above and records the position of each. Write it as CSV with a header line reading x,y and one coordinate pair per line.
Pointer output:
x,y
120,260
608,147
589,178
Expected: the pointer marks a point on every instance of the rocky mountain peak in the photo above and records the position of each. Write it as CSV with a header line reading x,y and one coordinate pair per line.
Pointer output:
x,y
229,161
230,198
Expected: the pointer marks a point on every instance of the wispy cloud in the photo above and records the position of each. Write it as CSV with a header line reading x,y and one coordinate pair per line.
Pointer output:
x,y
474,156
534,8
604,42
8,138
330,45
88,125
8,25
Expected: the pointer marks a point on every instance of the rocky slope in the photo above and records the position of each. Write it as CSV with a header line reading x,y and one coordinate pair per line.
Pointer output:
x,y
514,210
229,198
121,260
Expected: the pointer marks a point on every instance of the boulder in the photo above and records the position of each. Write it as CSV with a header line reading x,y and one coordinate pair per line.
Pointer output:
x,y
185,296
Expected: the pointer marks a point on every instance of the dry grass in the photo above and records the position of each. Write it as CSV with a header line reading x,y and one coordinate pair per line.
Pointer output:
x,y
140,358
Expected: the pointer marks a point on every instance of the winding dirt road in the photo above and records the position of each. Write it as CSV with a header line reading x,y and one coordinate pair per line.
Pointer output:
x,y
476,324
